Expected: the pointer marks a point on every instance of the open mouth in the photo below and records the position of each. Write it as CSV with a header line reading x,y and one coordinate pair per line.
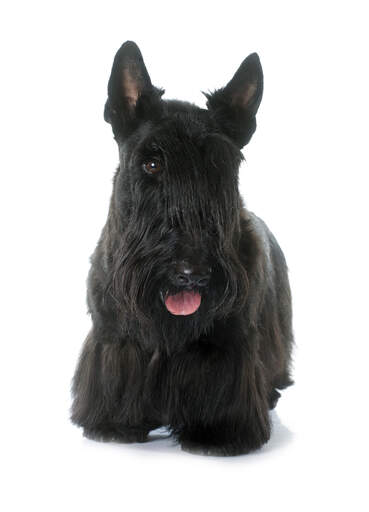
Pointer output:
x,y
183,303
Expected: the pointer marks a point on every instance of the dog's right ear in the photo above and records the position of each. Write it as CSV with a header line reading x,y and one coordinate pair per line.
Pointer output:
x,y
131,96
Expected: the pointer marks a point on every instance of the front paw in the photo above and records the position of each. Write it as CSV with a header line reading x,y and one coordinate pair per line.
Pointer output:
x,y
223,441
116,434
229,449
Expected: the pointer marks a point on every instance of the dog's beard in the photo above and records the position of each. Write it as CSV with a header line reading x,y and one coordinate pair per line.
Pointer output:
x,y
144,296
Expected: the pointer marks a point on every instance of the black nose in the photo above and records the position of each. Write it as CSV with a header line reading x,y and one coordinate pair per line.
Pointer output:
x,y
186,275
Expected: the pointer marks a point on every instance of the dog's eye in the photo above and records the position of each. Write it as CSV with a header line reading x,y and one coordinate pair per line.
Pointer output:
x,y
152,166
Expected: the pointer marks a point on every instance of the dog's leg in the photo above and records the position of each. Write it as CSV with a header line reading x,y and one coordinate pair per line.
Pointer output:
x,y
107,390
219,404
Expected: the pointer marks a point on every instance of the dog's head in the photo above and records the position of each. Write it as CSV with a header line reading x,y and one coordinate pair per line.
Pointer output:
x,y
176,201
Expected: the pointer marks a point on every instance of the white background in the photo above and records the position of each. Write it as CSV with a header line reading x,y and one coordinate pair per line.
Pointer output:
x,y
305,174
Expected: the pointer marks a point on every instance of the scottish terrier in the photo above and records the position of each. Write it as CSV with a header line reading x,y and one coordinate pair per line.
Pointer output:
x,y
188,290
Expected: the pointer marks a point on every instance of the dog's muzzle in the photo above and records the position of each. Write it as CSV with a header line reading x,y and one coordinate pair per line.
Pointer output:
x,y
189,279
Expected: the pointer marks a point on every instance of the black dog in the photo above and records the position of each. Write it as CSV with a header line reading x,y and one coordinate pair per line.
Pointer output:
x,y
188,290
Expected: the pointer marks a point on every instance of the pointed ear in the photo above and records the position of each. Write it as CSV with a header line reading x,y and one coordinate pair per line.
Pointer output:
x,y
131,95
235,106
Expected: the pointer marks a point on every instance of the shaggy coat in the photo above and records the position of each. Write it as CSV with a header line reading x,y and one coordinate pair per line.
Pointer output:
x,y
188,290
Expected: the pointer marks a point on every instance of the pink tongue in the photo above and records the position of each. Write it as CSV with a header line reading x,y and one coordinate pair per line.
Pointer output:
x,y
183,303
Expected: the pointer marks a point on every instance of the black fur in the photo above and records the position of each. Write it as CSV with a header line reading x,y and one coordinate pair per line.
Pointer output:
x,y
213,375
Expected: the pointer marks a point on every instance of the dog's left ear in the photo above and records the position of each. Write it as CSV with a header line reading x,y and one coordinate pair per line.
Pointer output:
x,y
235,105
131,95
